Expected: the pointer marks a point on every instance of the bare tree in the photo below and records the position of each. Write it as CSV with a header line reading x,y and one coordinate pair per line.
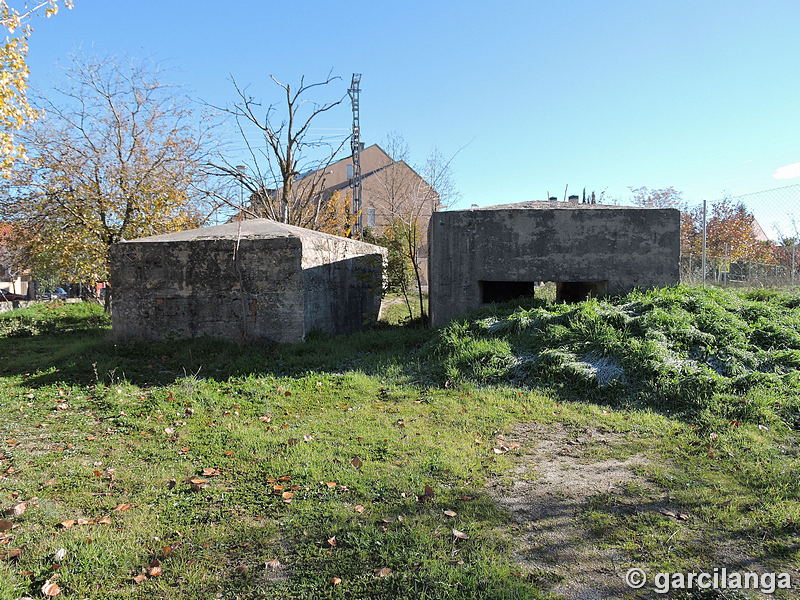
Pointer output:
x,y
409,197
284,174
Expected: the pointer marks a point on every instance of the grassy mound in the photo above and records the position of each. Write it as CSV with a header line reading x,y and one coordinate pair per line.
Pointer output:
x,y
713,355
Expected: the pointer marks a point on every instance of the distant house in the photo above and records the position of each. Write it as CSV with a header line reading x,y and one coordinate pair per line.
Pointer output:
x,y
391,191
758,232
12,280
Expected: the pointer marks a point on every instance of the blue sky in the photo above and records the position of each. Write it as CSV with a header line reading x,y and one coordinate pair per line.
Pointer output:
x,y
702,96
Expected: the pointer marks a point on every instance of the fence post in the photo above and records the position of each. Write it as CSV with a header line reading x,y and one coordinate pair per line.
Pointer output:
x,y
704,243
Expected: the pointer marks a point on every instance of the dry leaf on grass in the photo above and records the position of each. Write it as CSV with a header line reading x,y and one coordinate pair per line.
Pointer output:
x,y
14,554
384,572
16,510
273,564
460,534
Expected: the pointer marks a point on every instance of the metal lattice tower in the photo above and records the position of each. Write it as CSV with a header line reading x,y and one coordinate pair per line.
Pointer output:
x,y
355,146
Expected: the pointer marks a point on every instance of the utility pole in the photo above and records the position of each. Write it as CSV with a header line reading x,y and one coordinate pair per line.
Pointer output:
x,y
355,146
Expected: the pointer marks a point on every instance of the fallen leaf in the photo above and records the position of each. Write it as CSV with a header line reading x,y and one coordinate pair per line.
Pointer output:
x,y
5,525
427,494
229,453
356,462
287,495
460,534
273,564
332,541
122,507
103,521
65,524
14,554
169,431
358,508
50,589
335,580
331,484
211,472
763,428
60,554
265,418
197,483
450,513
154,571
308,438
17,510
384,572
140,578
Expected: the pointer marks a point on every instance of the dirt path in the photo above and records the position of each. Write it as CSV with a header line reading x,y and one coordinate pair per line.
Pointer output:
x,y
551,486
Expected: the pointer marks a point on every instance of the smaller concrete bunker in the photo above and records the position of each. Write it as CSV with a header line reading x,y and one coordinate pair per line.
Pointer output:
x,y
250,280
499,253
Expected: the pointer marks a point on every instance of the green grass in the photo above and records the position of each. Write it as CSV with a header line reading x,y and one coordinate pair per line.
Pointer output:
x,y
88,424
395,309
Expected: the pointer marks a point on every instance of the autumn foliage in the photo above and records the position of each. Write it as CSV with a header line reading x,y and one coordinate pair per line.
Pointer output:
x,y
116,158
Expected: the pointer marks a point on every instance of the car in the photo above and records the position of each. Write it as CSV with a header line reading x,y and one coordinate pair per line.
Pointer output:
x,y
58,293
6,296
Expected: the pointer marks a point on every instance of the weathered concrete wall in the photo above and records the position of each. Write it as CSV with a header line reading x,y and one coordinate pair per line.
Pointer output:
x,y
255,280
626,247
342,281
208,288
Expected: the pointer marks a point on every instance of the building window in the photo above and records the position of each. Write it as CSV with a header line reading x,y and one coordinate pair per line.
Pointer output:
x,y
370,217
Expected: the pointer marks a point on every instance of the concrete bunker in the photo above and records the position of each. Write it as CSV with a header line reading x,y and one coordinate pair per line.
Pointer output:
x,y
500,253
250,280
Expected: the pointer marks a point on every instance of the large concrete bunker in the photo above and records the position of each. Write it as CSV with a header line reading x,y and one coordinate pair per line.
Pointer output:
x,y
250,280
499,253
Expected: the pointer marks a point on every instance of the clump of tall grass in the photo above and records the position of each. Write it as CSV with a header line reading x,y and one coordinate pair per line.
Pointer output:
x,y
706,352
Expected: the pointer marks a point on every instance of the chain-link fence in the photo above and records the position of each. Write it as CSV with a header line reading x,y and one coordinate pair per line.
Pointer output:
x,y
750,240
